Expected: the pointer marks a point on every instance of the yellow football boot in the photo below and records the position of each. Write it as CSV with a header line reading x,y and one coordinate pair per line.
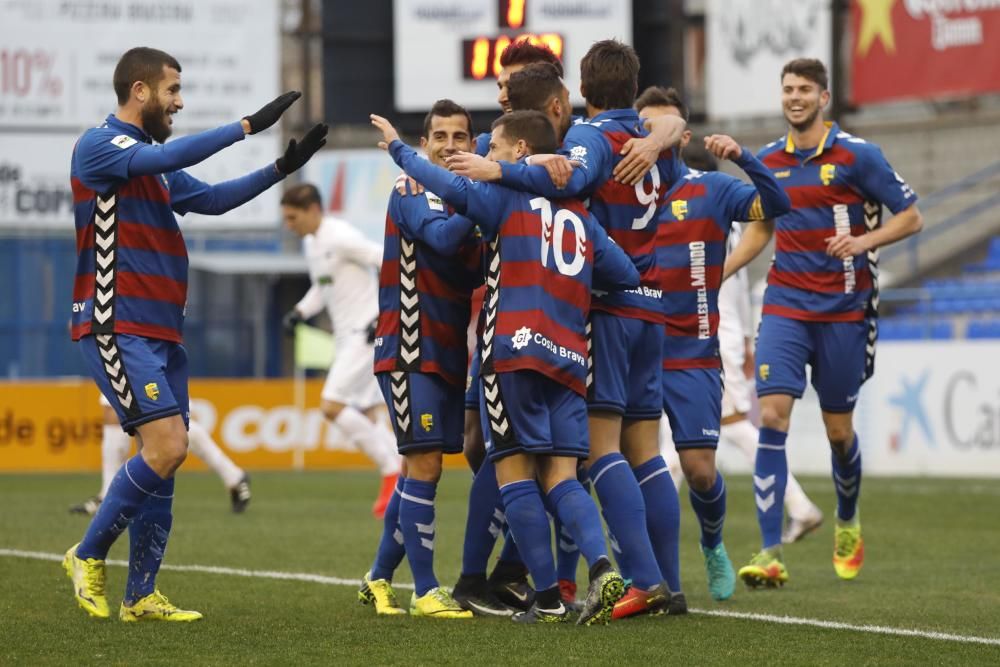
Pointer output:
x,y
88,579
848,549
437,603
379,592
765,569
156,607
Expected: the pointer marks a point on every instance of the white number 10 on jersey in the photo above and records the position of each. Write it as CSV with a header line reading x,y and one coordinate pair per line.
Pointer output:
x,y
552,237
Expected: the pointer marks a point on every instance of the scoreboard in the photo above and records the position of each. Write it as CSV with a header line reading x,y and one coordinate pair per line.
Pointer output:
x,y
451,48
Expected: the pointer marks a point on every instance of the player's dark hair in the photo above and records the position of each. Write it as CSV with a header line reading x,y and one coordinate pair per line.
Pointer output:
x,y
532,126
445,109
807,68
657,96
609,75
302,196
140,64
696,156
533,86
523,52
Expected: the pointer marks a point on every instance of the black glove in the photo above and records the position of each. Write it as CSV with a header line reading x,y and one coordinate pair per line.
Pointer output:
x,y
298,153
372,327
291,320
271,112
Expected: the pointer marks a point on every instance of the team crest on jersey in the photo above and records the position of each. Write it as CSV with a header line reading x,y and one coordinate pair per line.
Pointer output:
x,y
827,173
427,421
521,338
764,371
679,207
152,391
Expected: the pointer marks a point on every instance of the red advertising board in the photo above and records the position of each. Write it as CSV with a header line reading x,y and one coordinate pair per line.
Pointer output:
x,y
907,49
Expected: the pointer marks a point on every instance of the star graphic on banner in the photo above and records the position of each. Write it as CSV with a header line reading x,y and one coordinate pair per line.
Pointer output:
x,y
910,401
876,21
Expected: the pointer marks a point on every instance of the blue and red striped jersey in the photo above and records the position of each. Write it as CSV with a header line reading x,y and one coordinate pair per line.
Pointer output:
x,y
628,213
428,273
691,250
837,188
132,265
542,256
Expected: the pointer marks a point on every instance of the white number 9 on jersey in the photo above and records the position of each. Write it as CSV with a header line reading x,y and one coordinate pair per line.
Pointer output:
x,y
553,229
648,199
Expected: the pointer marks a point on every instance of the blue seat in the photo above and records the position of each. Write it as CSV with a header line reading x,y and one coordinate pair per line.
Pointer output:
x,y
983,329
942,330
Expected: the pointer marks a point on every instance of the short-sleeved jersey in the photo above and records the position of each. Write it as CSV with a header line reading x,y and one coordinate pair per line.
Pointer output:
x,y
628,213
423,295
343,269
132,265
542,257
838,188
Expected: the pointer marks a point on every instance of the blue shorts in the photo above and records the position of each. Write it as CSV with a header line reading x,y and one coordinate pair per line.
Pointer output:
x,y
525,412
626,356
144,379
835,351
472,383
692,399
425,411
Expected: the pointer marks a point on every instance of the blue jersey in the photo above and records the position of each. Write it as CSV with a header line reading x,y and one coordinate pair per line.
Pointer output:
x,y
838,188
132,265
429,270
628,213
691,250
542,256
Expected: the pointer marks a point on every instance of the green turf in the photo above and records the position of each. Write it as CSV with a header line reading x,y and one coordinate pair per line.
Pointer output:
x,y
931,565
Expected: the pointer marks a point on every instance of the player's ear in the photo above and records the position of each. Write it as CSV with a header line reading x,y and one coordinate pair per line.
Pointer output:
x,y
824,98
140,90
521,149
423,142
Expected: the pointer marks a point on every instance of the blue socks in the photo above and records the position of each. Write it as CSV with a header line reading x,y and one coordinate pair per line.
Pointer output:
x,y
131,487
484,521
148,535
529,525
390,548
847,480
770,476
710,508
578,514
416,520
567,553
663,517
625,511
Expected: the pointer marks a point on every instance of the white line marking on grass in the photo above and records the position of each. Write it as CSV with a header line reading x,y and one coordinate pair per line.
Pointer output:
x,y
337,581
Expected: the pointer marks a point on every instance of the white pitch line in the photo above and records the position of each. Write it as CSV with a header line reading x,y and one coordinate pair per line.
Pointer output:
x,y
337,581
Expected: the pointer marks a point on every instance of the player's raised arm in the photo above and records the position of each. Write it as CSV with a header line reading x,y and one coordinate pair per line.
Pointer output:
x,y
767,199
583,145
640,154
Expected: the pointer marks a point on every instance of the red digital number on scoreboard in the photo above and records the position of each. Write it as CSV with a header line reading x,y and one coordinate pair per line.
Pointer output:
x,y
481,55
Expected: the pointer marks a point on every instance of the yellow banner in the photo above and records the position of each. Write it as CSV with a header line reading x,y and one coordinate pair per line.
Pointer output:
x,y
56,426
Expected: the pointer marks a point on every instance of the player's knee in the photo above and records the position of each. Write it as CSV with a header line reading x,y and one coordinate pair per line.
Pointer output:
x,y
700,477
331,409
840,439
425,467
774,418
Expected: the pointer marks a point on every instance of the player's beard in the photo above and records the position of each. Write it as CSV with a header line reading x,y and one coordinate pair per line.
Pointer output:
x,y
155,120
805,124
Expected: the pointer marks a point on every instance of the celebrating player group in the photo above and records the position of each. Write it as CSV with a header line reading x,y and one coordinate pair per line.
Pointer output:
x,y
602,256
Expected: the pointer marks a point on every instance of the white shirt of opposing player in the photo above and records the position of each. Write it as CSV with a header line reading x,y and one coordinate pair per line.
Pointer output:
x,y
735,325
343,268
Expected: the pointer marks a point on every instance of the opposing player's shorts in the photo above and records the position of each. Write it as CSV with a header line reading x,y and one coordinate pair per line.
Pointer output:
x,y
692,399
426,411
527,412
472,382
737,389
143,379
350,380
835,351
626,357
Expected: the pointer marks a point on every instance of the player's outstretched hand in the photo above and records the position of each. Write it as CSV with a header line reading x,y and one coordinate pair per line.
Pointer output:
x,y
407,185
291,320
845,246
474,166
298,153
723,146
271,112
640,155
389,133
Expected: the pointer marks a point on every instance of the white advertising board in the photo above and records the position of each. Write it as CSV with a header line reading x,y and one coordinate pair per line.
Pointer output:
x,y
747,44
57,58
448,48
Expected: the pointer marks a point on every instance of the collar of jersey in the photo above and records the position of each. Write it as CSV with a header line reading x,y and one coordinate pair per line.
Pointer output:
x,y
617,114
128,128
830,136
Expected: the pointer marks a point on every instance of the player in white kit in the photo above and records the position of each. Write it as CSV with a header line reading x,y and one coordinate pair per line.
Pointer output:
x,y
343,268
116,445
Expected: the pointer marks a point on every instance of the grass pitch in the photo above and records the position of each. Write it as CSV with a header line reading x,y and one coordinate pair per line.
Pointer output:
x,y
932,567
